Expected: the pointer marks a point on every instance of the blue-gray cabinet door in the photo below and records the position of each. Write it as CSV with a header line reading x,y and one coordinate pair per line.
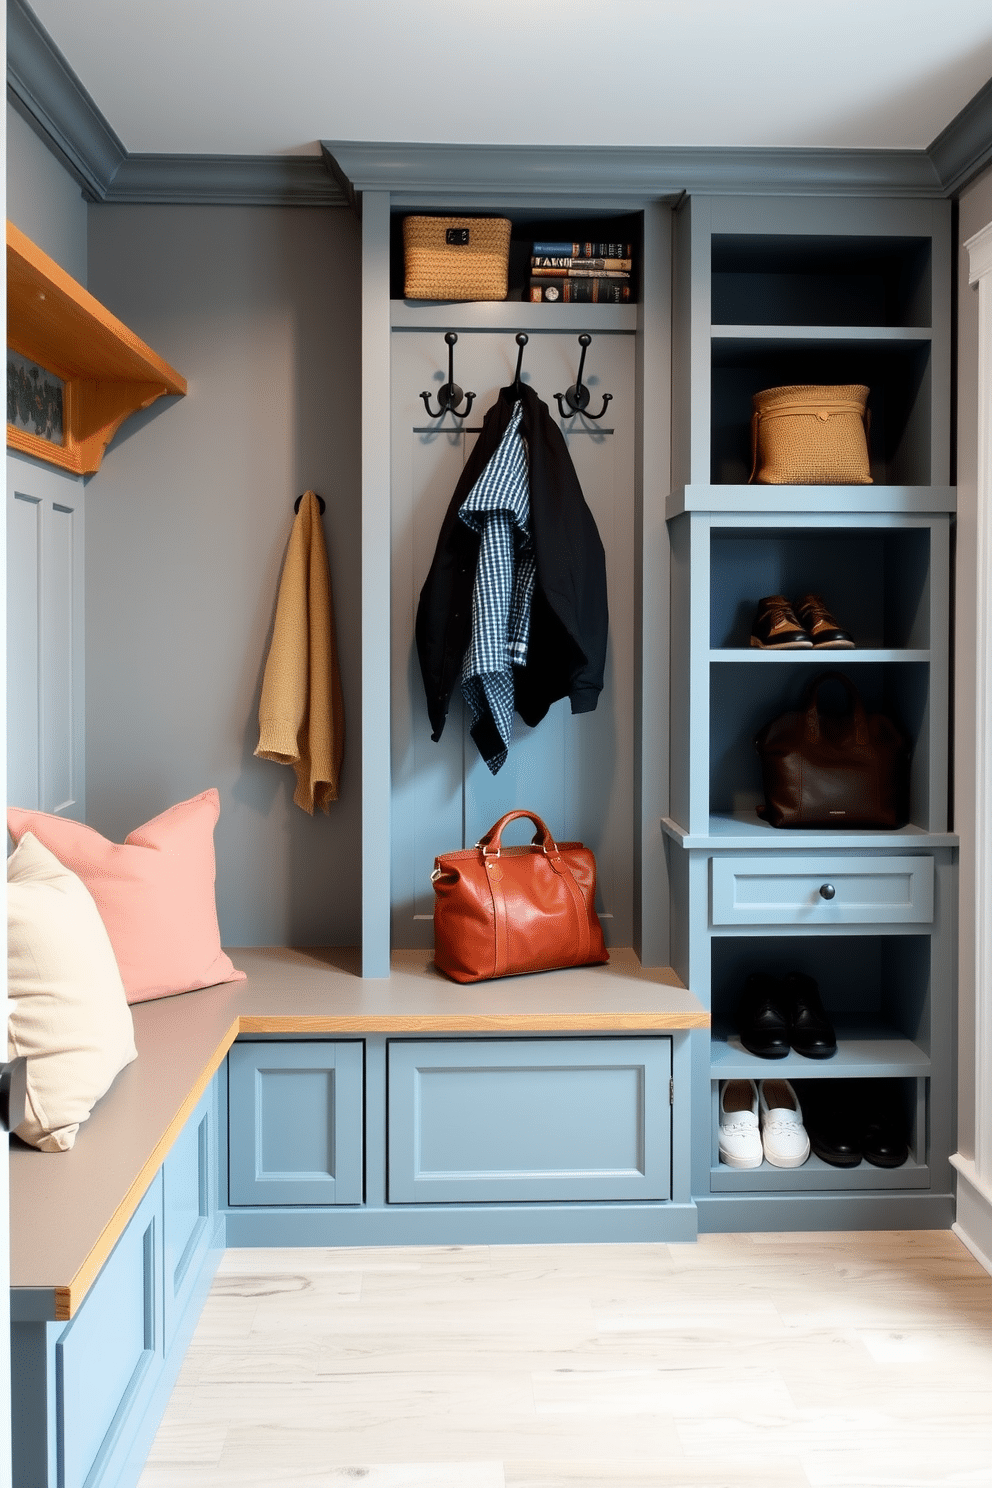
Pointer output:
x,y
107,1360
189,1207
296,1122
536,1120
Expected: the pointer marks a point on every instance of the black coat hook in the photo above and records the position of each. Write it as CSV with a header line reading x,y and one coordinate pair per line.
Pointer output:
x,y
577,396
449,394
522,339
320,501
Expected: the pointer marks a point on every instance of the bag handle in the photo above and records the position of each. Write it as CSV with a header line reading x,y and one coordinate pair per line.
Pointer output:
x,y
811,700
491,841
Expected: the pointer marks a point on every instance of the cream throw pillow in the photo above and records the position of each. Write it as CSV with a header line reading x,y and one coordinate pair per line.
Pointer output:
x,y
68,1011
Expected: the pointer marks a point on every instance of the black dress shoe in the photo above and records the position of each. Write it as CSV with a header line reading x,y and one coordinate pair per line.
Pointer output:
x,y
810,1030
764,1024
833,1121
885,1139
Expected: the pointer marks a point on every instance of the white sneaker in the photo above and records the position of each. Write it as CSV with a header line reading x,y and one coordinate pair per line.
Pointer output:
x,y
740,1136
783,1135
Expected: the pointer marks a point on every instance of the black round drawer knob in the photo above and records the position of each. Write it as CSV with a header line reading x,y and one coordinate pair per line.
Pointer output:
x,y
827,891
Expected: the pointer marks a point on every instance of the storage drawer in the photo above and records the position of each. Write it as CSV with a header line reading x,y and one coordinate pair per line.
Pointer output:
x,y
814,892
296,1122
481,1120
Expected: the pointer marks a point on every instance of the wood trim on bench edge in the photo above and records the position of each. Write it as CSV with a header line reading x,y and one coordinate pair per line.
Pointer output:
x,y
68,1298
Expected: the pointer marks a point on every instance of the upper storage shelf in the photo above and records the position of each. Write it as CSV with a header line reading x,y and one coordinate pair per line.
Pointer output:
x,y
821,292
106,371
826,280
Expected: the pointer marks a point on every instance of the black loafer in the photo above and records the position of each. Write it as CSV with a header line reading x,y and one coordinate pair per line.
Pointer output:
x,y
811,1032
885,1139
764,1024
832,1118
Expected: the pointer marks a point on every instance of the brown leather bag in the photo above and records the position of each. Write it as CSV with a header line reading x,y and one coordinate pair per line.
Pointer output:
x,y
834,770
501,911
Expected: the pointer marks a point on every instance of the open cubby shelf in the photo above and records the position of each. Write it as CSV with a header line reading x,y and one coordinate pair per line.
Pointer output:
x,y
789,293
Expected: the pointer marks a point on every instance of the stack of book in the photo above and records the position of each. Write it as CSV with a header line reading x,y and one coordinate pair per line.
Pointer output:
x,y
581,273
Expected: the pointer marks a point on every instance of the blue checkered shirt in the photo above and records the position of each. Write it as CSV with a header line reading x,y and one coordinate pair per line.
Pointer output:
x,y
498,508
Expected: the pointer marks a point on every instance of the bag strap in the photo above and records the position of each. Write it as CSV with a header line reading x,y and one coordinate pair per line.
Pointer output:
x,y
811,700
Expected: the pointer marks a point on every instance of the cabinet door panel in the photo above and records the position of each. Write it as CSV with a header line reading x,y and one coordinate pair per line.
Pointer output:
x,y
189,1206
296,1123
519,1120
107,1359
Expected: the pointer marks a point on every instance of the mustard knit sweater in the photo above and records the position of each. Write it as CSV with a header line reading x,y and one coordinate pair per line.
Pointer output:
x,y
301,713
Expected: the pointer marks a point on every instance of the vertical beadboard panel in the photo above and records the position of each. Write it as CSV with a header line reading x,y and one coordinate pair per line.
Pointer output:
x,y
24,652
45,620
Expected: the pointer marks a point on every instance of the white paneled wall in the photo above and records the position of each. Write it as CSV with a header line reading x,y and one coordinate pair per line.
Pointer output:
x,y
45,618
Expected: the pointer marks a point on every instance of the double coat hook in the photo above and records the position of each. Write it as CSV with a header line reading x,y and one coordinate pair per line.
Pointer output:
x,y
449,394
578,395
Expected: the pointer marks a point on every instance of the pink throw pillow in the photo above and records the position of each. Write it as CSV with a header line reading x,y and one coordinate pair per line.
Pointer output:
x,y
155,893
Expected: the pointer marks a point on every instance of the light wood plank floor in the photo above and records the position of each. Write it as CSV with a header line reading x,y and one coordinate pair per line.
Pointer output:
x,y
739,1361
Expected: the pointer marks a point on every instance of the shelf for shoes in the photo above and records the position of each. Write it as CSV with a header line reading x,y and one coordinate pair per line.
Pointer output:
x,y
875,580
875,989
864,1048
909,1093
816,1175
816,656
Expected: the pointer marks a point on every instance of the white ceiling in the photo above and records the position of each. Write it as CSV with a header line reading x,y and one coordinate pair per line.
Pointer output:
x,y
275,76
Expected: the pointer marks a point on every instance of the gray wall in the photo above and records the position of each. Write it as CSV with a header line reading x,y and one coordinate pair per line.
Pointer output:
x,y
187,524
43,200
975,213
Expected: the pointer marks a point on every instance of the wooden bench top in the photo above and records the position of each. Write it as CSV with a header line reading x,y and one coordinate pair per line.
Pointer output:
x,y
69,1209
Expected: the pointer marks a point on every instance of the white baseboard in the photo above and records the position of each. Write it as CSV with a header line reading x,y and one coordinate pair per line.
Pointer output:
x,y
974,1211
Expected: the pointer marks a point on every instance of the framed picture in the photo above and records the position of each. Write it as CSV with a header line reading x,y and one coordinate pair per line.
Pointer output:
x,y
35,399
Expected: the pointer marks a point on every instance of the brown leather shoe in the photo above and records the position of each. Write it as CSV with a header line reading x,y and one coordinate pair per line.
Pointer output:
x,y
821,627
776,628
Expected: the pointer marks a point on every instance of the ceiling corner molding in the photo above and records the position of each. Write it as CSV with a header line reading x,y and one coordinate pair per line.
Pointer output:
x,y
47,93
225,180
445,173
964,148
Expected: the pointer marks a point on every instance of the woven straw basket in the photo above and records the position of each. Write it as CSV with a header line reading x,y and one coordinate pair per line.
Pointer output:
x,y
811,436
456,258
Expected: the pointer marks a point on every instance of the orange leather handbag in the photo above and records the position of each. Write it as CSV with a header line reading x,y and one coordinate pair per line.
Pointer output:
x,y
502,911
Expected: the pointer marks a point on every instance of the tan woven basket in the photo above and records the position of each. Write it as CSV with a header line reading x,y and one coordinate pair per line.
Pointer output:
x,y
811,436
456,258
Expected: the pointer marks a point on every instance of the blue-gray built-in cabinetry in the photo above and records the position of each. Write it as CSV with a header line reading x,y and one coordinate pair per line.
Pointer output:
x,y
733,295
769,293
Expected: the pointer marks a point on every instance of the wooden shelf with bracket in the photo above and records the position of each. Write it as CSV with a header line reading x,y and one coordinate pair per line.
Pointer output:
x,y
108,372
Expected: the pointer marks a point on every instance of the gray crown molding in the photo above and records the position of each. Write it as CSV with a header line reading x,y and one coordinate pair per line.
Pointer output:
x,y
964,148
420,173
226,180
48,95
43,88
